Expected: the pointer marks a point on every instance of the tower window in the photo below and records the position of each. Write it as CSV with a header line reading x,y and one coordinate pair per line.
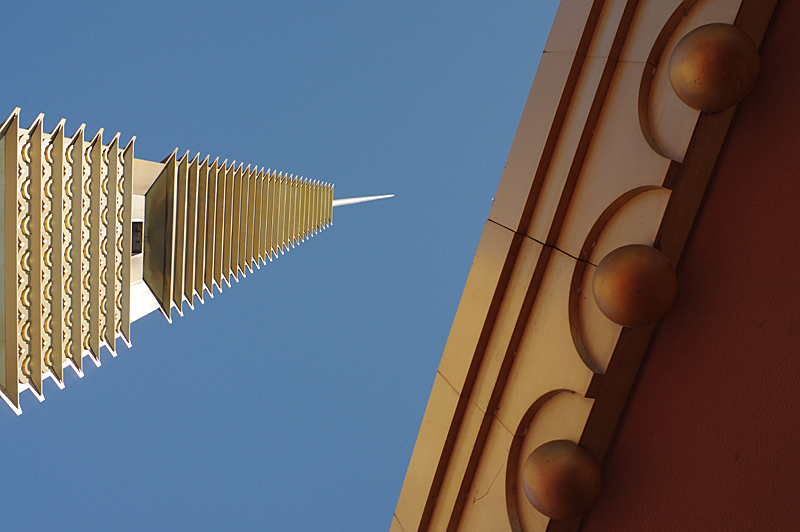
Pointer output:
x,y
137,237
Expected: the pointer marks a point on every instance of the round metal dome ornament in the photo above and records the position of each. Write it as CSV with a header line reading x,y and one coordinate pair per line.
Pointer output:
x,y
561,479
634,285
714,67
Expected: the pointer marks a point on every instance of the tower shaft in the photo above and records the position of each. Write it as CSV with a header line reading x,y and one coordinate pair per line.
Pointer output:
x,y
94,239
207,222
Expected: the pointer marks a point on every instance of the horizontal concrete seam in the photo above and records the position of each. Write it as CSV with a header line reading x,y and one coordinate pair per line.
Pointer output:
x,y
471,400
503,424
448,382
543,244
575,54
399,523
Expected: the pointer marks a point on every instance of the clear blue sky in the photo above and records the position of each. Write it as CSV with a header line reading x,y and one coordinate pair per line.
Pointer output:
x,y
290,402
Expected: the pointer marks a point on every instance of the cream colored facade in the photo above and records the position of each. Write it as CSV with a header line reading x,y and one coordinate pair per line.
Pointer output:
x,y
71,282
605,155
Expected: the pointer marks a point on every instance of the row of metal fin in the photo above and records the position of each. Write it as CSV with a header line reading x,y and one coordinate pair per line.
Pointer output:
x,y
66,249
207,221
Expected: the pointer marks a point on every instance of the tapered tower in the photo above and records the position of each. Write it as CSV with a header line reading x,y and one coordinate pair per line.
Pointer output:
x,y
94,239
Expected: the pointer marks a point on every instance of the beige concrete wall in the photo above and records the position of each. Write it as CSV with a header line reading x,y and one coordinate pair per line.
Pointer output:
x,y
605,155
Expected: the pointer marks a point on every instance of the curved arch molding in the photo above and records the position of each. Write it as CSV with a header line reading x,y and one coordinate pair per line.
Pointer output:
x,y
603,157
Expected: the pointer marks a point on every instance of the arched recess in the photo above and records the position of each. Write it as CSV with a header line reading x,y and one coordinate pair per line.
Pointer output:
x,y
666,122
557,415
633,218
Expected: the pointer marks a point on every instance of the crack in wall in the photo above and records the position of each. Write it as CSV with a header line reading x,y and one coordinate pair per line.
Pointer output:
x,y
476,499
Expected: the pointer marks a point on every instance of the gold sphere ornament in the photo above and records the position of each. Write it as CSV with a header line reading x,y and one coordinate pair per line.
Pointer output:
x,y
634,285
561,479
714,67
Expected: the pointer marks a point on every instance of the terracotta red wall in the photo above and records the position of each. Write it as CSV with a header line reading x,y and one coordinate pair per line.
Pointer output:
x,y
711,437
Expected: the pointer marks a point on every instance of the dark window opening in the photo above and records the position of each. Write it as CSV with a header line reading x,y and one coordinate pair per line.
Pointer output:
x,y
137,238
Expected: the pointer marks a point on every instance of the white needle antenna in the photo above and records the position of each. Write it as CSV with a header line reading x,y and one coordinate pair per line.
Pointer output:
x,y
351,201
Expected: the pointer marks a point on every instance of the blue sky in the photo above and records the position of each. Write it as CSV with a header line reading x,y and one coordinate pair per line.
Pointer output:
x,y
292,400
